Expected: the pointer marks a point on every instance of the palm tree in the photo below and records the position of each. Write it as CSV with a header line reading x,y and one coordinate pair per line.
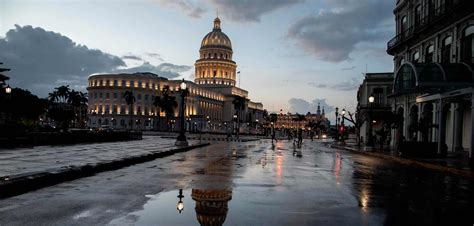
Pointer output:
x,y
239,105
166,103
130,99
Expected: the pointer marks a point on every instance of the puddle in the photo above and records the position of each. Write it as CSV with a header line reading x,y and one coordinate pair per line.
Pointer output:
x,y
200,207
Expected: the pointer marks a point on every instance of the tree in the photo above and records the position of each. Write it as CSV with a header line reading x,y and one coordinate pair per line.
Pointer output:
x,y
60,95
167,104
130,100
239,105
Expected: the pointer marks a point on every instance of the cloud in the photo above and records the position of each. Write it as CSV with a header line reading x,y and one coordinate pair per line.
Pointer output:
x,y
131,57
318,85
41,59
348,68
298,105
166,70
189,7
155,55
350,84
250,10
347,85
331,35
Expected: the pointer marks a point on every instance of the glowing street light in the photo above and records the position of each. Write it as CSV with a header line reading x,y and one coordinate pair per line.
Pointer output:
x,y
8,89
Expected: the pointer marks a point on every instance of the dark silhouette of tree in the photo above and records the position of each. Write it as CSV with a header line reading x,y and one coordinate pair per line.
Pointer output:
x,y
130,100
239,105
167,104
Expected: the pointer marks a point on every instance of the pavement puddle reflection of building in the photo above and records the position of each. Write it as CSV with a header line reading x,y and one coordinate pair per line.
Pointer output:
x,y
206,207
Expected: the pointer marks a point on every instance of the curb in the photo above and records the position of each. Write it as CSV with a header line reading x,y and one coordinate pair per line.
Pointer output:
x,y
23,183
411,162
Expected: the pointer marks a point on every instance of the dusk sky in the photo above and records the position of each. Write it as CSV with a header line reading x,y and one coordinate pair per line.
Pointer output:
x,y
291,53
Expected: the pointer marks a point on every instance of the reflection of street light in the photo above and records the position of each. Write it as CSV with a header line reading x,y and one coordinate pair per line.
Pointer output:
x,y
371,101
337,119
181,140
180,205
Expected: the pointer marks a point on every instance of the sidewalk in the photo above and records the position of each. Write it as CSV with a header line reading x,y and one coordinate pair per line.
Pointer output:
x,y
26,169
458,166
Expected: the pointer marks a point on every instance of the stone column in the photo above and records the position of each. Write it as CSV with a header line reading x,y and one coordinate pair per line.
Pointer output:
x,y
471,150
458,127
420,113
442,126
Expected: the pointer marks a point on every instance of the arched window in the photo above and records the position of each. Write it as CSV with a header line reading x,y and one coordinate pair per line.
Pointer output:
x,y
446,50
468,45
403,24
215,55
417,15
429,54
416,57
222,55
209,55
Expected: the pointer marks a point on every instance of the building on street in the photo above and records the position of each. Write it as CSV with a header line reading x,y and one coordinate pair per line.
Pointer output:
x,y
433,91
210,105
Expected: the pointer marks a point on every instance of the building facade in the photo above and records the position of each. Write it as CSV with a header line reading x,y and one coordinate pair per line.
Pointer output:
x,y
379,86
296,121
433,85
210,105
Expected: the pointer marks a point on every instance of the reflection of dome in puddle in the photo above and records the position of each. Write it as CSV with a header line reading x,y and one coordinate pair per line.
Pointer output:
x,y
211,205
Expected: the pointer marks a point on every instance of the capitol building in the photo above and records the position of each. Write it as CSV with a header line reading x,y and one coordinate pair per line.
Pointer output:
x,y
209,105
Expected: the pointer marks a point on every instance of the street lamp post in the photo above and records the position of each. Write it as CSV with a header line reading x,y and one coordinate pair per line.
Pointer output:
x,y
342,124
370,138
236,129
181,140
337,126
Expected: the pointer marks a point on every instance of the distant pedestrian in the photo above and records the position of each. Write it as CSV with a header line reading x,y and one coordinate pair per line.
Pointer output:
x,y
273,136
300,137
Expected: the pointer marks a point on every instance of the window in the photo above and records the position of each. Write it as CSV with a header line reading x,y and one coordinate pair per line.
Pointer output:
x,y
139,96
417,15
146,96
124,83
115,95
467,45
100,95
403,24
215,73
429,54
132,83
416,57
215,55
140,84
107,82
115,83
446,50
107,95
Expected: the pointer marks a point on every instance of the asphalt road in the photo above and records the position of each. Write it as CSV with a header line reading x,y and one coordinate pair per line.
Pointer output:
x,y
253,183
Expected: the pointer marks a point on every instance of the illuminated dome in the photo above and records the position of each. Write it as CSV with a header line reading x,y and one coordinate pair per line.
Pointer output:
x,y
215,66
216,38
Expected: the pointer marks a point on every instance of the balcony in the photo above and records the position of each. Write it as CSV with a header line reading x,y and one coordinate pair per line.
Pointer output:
x,y
436,15
374,106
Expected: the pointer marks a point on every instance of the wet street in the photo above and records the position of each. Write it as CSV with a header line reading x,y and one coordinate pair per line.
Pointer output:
x,y
252,183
